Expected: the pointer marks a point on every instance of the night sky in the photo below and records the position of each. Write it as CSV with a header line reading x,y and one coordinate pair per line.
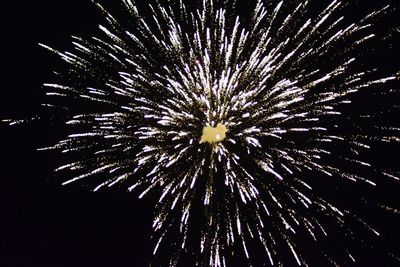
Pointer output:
x,y
45,224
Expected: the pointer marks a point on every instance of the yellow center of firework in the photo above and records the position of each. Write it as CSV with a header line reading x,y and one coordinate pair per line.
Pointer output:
x,y
213,134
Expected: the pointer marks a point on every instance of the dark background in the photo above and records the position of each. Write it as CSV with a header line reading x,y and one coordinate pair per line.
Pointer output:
x,y
45,224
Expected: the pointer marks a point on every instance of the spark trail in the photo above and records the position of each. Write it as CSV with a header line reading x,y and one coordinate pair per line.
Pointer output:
x,y
274,82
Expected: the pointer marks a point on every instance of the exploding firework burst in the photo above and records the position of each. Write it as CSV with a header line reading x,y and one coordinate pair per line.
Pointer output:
x,y
232,119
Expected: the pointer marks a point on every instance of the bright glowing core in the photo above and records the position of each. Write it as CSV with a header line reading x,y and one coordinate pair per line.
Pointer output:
x,y
213,134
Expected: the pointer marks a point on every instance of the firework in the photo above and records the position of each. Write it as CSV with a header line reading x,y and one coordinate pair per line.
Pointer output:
x,y
232,118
